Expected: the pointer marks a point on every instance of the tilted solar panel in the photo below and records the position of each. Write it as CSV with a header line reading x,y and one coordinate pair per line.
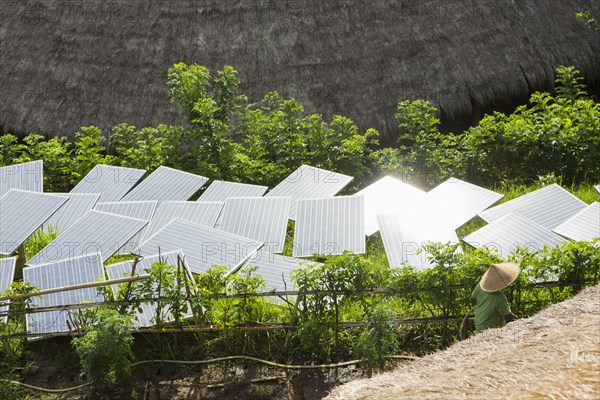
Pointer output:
x,y
202,245
27,176
585,225
21,214
95,232
112,183
309,183
276,269
505,234
260,218
222,190
166,184
74,271
549,206
329,226
7,274
77,206
597,188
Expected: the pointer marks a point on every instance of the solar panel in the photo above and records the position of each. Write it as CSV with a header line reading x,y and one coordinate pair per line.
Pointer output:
x,y
77,206
133,209
597,188
505,234
202,245
147,316
309,183
548,206
260,218
166,184
96,231
387,196
329,226
74,271
7,274
460,201
21,214
26,176
405,235
276,269
585,225
204,213
222,190
112,183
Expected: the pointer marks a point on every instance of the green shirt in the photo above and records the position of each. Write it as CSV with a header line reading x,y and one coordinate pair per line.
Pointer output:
x,y
491,309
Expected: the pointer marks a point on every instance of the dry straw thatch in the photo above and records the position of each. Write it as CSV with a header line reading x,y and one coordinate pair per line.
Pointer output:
x,y
66,63
553,355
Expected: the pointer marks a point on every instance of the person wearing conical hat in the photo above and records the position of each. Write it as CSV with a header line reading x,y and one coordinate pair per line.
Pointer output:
x,y
492,309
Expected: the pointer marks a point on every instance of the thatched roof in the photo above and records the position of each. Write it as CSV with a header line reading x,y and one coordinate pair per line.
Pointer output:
x,y
64,65
552,355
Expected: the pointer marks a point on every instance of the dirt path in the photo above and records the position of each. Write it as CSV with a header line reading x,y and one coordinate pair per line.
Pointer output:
x,y
552,355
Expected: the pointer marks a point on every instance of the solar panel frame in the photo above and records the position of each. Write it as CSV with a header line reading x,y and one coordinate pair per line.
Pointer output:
x,y
77,206
260,218
7,275
96,231
203,213
329,226
549,206
202,245
583,226
27,176
388,195
70,272
460,201
219,191
111,182
405,235
21,214
505,234
166,184
309,182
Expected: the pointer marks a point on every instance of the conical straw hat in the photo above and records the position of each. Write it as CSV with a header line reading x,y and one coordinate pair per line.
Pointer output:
x,y
499,276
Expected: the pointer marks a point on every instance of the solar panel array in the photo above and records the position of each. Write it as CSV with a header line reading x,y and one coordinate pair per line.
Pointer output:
x,y
202,245
460,201
276,269
387,196
133,209
74,271
549,206
585,225
112,183
166,184
404,237
505,234
263,219
203,213
77,206
147,316
21,214
329,226
26,176
7,274
309,183
96,232
223,190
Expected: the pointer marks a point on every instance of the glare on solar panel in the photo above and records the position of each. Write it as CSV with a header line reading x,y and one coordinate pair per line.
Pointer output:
x,y
388,195
21,214
74,271
329,226
222,190
260,218
585,225
112,183
309,183
203,246
460,201
27,176
96,231
513,230
166,184
77,206
549,206
7,274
